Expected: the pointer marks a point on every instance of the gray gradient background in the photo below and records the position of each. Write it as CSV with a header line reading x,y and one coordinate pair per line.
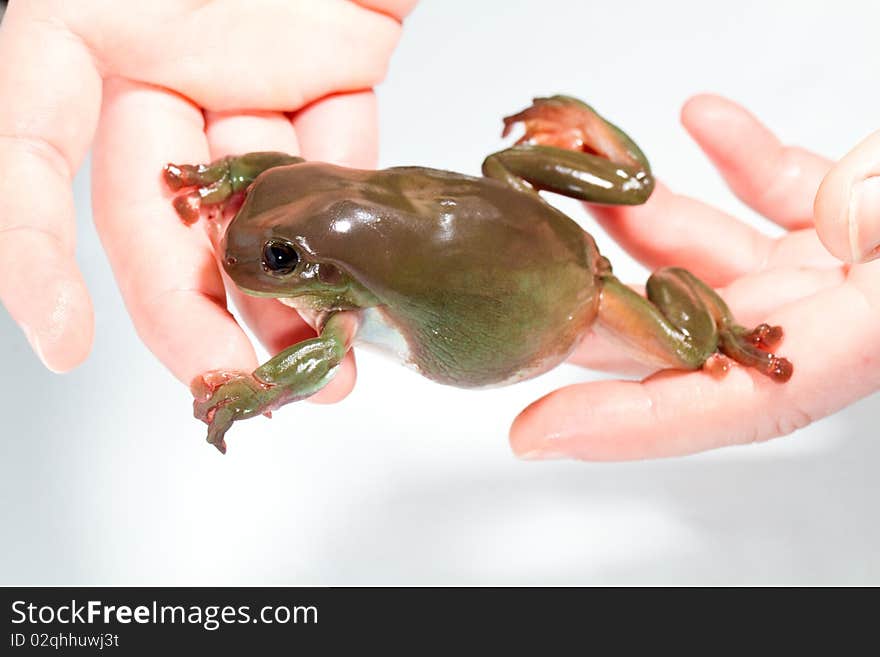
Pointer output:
x,y
105,479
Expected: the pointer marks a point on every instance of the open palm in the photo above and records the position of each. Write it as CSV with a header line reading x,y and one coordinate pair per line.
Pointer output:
x,y
830,312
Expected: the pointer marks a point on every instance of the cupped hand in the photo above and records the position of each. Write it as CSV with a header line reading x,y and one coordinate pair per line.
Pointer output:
x,y
157,82
830,310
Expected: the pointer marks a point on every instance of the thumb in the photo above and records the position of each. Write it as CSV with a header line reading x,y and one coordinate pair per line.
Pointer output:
x,y
847,206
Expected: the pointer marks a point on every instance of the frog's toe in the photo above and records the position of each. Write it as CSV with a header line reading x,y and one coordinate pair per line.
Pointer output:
x,y
198,186
221,421
765,336
219,416
178,176
188,207
752,349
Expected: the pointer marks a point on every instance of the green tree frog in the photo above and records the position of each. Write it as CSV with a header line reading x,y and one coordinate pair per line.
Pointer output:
x,y
473,281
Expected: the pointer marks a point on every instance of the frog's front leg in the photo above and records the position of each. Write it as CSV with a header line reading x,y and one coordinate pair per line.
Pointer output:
x,y
683,323
202,185
569,149
298,372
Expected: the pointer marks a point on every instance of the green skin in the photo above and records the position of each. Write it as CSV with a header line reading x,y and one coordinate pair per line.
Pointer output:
x,y
476,281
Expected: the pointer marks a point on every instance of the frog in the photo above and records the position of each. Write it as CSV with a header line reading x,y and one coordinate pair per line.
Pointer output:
x,y
473,281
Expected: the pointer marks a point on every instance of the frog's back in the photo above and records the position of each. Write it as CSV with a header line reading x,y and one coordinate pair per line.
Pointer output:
x,y
485,284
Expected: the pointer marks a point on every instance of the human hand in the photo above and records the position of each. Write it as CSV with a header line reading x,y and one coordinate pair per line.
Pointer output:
x,y
829,310
168,81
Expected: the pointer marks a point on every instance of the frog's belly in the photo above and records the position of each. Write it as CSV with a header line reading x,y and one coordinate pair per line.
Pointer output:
x,y
377,331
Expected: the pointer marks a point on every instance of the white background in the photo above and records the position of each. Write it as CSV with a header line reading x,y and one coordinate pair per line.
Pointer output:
x,y
105,478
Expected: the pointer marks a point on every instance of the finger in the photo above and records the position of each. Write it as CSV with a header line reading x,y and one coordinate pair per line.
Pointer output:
x,y
751,299
776,180
399,9
340,129
847,206
800,248
234,133
754,298
308,50
51,91
166,270
274,324
671,229
675,413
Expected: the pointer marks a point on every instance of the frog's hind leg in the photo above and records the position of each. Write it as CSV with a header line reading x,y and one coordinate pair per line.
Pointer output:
x,y
217,183
569,149
748,347
683,323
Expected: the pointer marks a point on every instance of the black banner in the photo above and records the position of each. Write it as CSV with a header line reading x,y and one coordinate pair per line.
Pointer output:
x,y
328,621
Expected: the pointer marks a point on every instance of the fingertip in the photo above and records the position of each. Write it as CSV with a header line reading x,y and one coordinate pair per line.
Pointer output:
x,y
703,109
55,313
712,121
67,340
525,431
699,105
847,205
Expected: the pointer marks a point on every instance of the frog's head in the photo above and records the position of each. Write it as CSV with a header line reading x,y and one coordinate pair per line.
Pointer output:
x,y
278,246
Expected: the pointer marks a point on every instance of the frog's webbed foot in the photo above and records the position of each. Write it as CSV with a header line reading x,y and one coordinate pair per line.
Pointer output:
x,y
569,149
197,185
566,122
685,324
218,185
221,397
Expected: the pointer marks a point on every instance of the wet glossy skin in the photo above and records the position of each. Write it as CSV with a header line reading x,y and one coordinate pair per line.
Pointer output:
x,y
485,284
472,281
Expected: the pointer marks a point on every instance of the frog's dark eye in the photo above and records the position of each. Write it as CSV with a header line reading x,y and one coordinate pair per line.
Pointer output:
x,y
279,258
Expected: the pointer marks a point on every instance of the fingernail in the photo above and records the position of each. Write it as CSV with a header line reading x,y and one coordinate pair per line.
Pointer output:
x,y
864,219
542,455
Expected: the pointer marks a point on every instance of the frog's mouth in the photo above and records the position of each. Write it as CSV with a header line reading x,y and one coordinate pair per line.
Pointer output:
x,y
297,301
302,303
258,293
293,302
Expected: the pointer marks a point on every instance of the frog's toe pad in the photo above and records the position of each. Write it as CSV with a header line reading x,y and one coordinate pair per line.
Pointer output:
x,y
765,336
717,365
188,207
178,176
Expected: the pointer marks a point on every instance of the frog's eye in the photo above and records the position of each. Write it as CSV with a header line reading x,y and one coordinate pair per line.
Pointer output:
x,y
279,258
